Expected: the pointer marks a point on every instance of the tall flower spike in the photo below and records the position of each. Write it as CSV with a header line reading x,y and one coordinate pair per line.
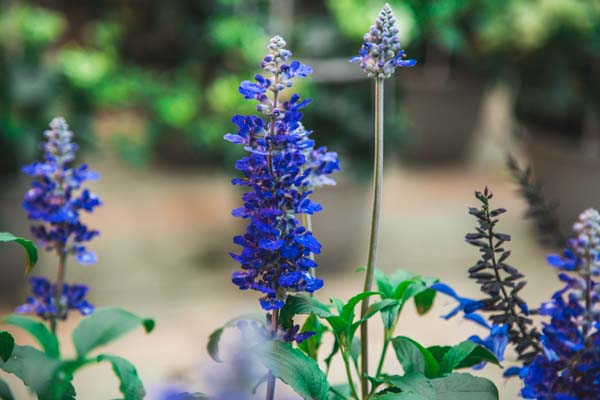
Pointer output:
x,y
381,52
569,366
280,171
56,197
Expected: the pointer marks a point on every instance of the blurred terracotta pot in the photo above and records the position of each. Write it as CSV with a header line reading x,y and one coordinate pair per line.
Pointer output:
x,y
569,175
441,111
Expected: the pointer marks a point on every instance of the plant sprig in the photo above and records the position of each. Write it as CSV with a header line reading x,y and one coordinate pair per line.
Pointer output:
x,y
500,281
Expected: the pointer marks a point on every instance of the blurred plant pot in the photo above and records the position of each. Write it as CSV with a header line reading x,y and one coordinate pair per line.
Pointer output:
x,y
441,110
569,174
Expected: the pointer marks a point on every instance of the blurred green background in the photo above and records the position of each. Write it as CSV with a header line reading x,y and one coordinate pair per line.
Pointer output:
x,y
149,88
173,68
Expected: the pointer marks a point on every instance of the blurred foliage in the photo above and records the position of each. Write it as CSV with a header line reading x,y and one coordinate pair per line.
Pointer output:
x,y
175,66
551,48
548,50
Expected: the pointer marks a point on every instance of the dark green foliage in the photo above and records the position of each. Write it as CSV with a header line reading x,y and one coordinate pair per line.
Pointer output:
x,y
295,368
7,344
50,376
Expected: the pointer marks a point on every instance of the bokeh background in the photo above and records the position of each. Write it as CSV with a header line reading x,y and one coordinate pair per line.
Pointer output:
x,y
149,88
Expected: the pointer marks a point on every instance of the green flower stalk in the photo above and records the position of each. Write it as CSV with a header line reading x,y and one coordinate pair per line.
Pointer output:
x,y
379,56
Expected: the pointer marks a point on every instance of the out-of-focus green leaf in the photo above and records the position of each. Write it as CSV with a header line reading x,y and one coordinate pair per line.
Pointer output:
x,y
30,249
39,331
104,326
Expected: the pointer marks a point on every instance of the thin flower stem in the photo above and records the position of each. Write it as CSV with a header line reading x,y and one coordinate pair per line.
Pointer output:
x,y
377,182
271,378
60,280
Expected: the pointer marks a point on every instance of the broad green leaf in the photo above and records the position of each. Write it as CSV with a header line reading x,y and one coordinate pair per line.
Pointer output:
x,y
311,345
424,300
302,304
399,276
464,387
438,352
383,284
340,392
38,371
294,368
39,331
414,357
28,246
105,326
413,382
390,314
5,393
215,338
130,384
465,355
7,344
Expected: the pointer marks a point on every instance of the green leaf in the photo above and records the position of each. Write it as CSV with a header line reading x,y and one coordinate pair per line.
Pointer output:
x,y
390,314
131,386
302,304
424,300
215,338
465,355
5,393
383,284
105,326
347,313
372,310
30,249
340,392
334,350
311,345
39,372
294,368
464,387
414,357
413,382
438,352
7,344
39,331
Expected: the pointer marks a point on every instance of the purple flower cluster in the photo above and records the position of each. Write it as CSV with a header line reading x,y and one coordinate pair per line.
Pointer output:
x,y
569,366
280,171
42,301
56,197
381,52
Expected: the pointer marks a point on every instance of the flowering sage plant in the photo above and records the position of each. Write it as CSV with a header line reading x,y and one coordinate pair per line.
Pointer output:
x,y
562,361
55,201
281,169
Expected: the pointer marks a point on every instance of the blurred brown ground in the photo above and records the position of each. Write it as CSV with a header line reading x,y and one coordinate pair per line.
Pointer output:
x,y
165,235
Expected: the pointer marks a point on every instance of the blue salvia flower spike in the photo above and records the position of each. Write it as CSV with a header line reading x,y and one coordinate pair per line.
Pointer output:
x,y
381,52
280,171
56,199
569,365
